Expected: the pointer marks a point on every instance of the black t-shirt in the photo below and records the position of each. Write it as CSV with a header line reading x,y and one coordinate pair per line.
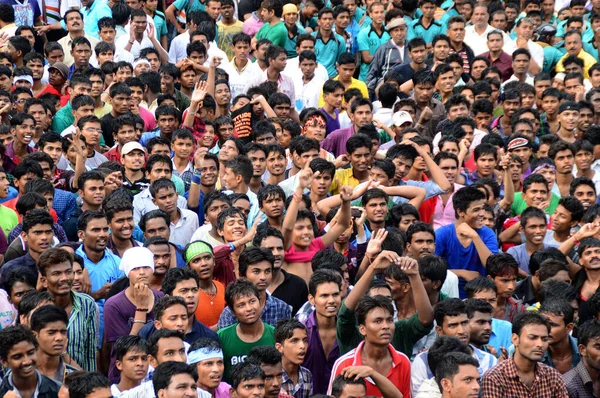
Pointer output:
x,y
247,7
292,290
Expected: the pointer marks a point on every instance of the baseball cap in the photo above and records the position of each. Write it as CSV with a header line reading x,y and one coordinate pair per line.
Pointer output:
x,y
62,68
401,117
394,23
568,106
132,146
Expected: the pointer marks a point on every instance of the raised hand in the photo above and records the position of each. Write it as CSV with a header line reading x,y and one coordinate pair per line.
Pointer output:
x,y
385,259
150,30
199,156
464,231
215,62
199,91
409,266
357,372
345,193
374,245
140,295
305,177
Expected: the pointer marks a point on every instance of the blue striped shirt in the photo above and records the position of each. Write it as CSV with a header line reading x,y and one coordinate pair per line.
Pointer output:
x,y
84,331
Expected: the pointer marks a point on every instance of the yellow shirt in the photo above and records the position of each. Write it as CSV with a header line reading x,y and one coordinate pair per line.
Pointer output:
x,y
343,177
588,61
355,84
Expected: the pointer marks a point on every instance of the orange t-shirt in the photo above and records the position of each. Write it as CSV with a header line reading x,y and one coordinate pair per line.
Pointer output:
x,y
209,307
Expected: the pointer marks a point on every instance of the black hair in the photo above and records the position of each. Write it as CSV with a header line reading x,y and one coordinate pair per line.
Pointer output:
x,y
161,378
368,303
267,355
126,343
85,384
450,307
340,382
166,302
558,306
501,264
479,285
254,255
161,334
540,256
244,371
176,275
20,274
47,314
285,329
528,318
463,198
239,288
442,346
449,365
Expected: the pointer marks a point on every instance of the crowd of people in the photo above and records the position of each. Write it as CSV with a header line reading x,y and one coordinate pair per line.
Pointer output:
x,y
342,199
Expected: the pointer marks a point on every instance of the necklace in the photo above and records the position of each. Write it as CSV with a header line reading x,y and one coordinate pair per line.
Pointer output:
x,y
210,294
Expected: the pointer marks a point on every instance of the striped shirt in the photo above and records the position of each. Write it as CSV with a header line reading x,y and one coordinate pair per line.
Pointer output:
x,y
84,331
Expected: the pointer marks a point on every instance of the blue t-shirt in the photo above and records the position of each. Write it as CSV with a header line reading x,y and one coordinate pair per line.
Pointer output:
x,y
459,257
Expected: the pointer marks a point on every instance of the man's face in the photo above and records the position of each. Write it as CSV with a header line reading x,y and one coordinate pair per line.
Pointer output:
x,y
95,235
377,210
535,230
213,210
40,115
495,42
275,245
273,206
520,64
241,50
327,299
417,55
210,372
586,195
457,111
157,227
463,384
233,228
362,116
559,331
532,343
22,360
166,200
481,328
569,120
139,24
562,219
134,365
24,132
360,159
564,160
486,165
378,327
187,78
505,284
573,86
122,224
162,258
170,349
586,118
525,30
456,32
167,123
282,110
325,22
189,291
402,166
253,388
247,309
59,278
441,50
455,326
422,244
81,54
423,92
536,194
120,103
54,149
125,134
446,81
260,274
37,68
174,318
74,22
500,22
107,34
159,170
343,20
123,73
52,338
273,379
353,391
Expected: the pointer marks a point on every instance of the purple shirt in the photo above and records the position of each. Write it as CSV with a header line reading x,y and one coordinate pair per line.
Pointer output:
x,y
119,314
8,161
332,124
315,360
336,141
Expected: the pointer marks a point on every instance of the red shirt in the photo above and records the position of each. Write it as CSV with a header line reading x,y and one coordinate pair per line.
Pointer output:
x,y
399,374
12,204
114,155
48,89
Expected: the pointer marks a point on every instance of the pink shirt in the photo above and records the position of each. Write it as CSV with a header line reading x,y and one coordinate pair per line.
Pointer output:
x,y
149,121
295,256
444,215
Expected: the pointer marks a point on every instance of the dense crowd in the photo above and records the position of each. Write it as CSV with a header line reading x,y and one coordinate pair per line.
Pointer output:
x,y
341,199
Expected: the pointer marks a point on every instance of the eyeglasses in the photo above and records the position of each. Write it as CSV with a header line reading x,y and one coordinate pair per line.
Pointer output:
x,y
93,130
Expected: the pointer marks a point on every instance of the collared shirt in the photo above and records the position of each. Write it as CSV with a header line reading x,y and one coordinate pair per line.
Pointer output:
x,y
316,361
284,82
91,15
355,83
45,388
10,160
110,245
329,52
137,186
137,46
182,231
66,41
504,381
420,370
25,261
579,383
588,61
304,388
369,40
273,311
292,68
185,175
503,63
84,331
575,357
416,29
399,373
64,204
239,78
142,204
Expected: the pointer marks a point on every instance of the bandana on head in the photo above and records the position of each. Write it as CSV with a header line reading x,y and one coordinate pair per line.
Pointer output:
x,y
195,249
543,166
314,121
518,143
202,354
27,78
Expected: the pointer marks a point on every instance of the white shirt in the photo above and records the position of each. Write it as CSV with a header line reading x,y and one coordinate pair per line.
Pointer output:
x,y
293,65
238,79
179,44
203,233
285,83
142,204
182,232
537,53
384,115
137,46
66,41
478,43
307,94
528,80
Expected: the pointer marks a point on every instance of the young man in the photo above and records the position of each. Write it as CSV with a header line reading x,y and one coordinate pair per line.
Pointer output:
x,y
91,131
207,356
287,287
562,353
256,265
174,379
119,214
35,62
258,156
563,155
534,228
183,222
247,380
457,375
503,270
530,337
132,362
358,149
276,164
57,277
238,339
370,38
329,46
322,349
588,335
466,244
273,29
124,133
18,354
91,191
236,177
271,200
49,325
291,340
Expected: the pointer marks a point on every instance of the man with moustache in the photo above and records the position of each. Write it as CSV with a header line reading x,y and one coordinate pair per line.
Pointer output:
x,y
523,374
583,380
285,286
56,276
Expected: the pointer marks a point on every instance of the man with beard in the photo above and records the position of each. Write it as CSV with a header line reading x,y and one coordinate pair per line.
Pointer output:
x,y
588,338
479,313
136,302
285,286
182,283
74,25
531,332
56,276
563,155
256,265
562,353
119,214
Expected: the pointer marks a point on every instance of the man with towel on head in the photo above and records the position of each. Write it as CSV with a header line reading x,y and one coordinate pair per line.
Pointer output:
x,y
136,302
207,356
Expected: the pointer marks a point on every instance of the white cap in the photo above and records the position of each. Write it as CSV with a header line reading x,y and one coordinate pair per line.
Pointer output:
x,y
401,117
136,257
132,146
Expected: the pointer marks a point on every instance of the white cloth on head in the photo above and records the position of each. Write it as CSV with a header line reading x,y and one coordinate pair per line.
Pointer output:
x,y
136,257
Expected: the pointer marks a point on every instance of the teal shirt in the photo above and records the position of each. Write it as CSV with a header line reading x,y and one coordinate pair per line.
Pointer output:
x,y
290,44
63,118
160,24
189,5
368,39
92,14
590,49
278,34
416,29
551,58
328,52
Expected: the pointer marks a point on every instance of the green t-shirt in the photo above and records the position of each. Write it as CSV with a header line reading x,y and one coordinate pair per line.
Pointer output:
x,y
235,350
407,333
519,204
8,219
277,33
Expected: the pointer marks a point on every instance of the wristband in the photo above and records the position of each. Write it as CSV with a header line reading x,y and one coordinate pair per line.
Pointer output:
x,y
195,179
138,321
141,310
231,246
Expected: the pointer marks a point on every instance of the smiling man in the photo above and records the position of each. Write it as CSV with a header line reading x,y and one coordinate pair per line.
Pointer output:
x,y
120,220
18,353
56,270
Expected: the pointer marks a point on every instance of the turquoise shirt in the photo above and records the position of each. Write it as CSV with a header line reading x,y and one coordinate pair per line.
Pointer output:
x,y
189,5
551,57
160,24
92,14
591,49
328,52
368,39
416,29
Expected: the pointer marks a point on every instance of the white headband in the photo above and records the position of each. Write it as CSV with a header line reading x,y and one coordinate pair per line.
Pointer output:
x,y
136,257
27,78
202,354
